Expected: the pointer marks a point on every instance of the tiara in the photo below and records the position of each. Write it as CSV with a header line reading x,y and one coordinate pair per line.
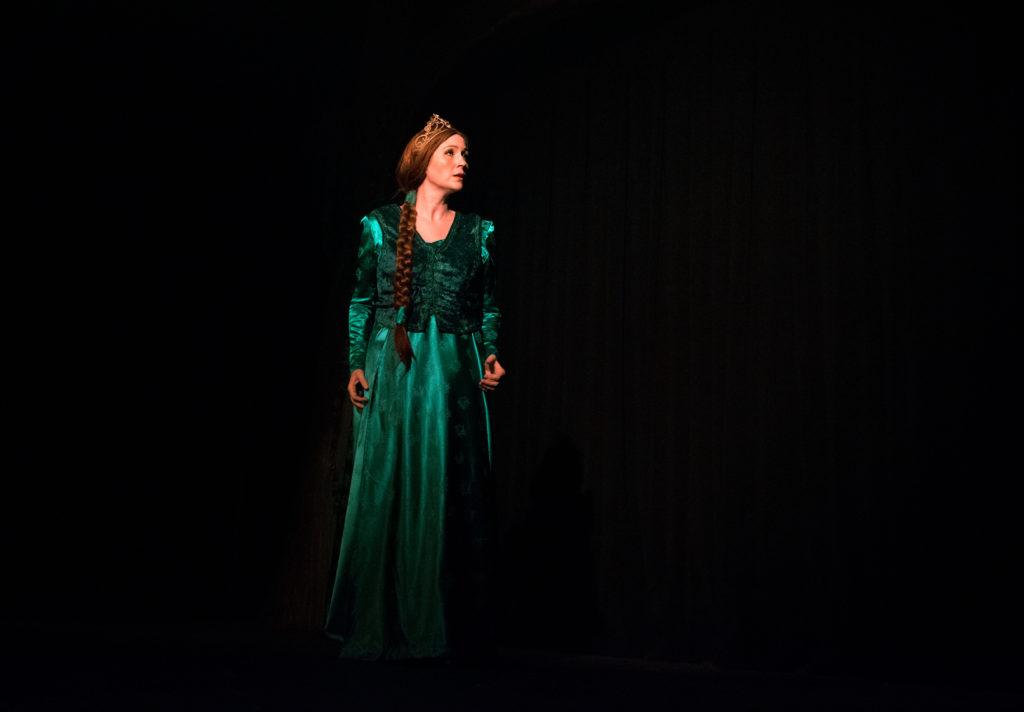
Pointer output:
x,y
435,124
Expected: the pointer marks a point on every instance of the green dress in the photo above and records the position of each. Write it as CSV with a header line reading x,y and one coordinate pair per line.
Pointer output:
x,y
415,558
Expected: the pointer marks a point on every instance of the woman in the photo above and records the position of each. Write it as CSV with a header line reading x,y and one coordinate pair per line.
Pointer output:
x,y
412,572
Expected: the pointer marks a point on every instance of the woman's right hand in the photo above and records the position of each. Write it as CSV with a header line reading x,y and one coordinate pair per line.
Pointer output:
x,y
357,377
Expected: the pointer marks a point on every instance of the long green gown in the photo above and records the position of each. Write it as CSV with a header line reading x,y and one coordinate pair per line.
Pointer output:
x,y
416,549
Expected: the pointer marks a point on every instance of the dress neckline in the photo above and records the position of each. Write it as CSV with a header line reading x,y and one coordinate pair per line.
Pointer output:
x,y
451,230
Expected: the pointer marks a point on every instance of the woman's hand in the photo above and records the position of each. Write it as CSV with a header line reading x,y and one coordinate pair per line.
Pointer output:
x,y
357,377
492,373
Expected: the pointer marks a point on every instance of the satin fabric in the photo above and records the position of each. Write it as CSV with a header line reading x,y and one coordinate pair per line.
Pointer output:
x,y
414,565
454,280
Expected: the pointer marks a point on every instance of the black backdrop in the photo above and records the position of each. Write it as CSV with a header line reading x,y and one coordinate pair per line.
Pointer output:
x,y
758,284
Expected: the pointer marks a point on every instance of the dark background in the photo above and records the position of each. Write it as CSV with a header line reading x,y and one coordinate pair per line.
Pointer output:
x,y
758,278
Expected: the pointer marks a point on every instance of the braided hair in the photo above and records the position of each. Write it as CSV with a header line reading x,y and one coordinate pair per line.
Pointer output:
x,y
409,174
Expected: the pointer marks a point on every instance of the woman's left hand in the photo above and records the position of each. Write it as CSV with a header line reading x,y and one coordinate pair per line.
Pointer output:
x,y
492,373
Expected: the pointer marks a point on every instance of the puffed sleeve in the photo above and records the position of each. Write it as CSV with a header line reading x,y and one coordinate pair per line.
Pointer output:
x,y
492,315
364,294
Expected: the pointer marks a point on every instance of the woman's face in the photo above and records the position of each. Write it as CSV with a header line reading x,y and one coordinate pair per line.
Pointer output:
x,y
448,165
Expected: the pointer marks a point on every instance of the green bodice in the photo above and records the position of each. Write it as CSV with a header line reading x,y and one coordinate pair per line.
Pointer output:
x,y
453,279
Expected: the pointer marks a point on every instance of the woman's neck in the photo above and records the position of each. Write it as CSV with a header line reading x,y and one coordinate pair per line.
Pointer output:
x,y
431,204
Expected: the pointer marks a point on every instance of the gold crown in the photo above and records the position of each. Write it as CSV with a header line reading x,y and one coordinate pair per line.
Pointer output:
x,y
435,124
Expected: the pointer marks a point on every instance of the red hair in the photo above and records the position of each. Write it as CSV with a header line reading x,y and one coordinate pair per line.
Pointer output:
x,y
409,174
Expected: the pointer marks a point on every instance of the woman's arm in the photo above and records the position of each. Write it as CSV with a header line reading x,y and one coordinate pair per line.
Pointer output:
x,y
492,314
360,310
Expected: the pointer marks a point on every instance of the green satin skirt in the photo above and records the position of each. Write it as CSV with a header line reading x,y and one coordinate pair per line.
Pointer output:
x,y
414,567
